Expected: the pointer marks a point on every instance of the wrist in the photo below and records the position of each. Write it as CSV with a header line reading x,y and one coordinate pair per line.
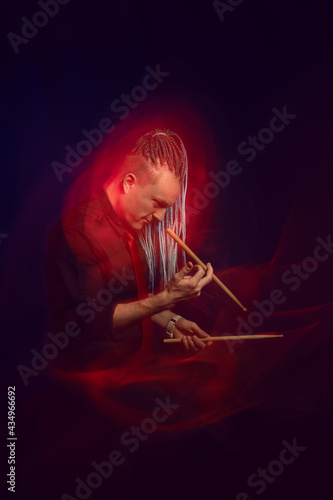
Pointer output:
x,y
162,319
167,299
158,303
171,325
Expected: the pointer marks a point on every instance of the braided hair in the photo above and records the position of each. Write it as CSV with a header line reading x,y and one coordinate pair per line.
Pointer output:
x,y
167,147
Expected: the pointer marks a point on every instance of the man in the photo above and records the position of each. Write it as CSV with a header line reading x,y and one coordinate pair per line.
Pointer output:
x,y
109,251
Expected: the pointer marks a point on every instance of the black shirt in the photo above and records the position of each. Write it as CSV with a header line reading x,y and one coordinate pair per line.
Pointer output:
x,y
89,270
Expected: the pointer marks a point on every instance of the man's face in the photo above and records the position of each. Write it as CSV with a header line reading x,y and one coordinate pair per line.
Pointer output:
x,y
141,204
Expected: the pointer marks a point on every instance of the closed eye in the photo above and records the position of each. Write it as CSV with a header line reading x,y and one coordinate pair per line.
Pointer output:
x,y
160,204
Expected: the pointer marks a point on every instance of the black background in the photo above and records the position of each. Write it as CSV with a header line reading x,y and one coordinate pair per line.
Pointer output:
x,y
264,54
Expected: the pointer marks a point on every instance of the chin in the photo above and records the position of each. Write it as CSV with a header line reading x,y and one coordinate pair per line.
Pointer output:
x,y
137,226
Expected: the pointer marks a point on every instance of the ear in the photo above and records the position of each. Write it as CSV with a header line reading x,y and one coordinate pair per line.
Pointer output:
x,y
129,182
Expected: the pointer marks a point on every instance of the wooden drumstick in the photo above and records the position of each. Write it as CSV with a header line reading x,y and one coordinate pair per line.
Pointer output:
x,y
227,337
198,261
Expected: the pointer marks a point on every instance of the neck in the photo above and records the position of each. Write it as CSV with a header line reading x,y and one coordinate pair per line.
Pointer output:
x,y
112,191
112,196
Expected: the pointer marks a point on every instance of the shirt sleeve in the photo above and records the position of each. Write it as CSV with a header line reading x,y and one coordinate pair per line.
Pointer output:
x,y
77,275
90,270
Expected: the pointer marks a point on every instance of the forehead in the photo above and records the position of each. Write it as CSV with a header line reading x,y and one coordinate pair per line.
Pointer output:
x,y
166,189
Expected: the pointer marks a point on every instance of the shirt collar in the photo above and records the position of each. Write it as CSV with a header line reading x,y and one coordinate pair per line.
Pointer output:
x,y
110,212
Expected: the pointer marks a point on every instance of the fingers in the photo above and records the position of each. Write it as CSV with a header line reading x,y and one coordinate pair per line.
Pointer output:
x,y
187,285
185,342
189,342
198,331
195,343
201,278
192,344
199,273
184,271
209,276
198,342
194,335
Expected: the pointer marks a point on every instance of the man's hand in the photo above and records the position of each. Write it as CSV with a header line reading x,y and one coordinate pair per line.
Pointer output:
x,y
190,334
185,285
188,283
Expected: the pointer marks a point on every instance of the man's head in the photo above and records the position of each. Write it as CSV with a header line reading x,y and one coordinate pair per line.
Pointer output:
x,y
149,180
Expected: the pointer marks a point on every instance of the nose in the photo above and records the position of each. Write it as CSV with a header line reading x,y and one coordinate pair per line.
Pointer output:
x,y
159,214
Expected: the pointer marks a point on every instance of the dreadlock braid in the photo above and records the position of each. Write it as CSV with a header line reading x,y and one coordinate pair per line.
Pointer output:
x,y
167,147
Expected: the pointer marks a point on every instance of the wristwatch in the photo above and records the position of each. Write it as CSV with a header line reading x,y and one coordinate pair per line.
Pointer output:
x,y
171,325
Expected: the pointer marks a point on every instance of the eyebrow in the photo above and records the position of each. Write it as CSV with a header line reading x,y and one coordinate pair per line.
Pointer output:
x,y
162,202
